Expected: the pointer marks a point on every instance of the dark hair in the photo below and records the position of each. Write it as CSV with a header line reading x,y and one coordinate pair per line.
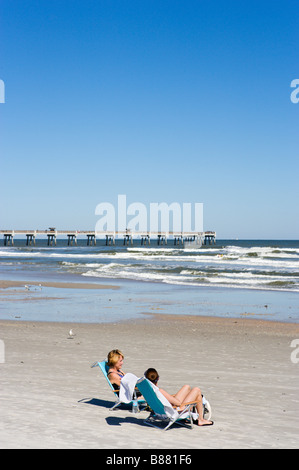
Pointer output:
x,y
152,375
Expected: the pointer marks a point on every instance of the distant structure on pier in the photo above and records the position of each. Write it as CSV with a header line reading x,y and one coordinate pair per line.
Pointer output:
x,y
190,238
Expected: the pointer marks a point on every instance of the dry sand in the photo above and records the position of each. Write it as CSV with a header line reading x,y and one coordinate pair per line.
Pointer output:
x,y
51,398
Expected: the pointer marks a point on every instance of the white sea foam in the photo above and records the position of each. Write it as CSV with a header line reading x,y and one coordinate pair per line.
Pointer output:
x,y
267,267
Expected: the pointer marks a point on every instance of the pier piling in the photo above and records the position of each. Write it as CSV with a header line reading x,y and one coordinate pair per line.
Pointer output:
x,y
30,238
110,239
8,238
52,238
72,238
162,239
209,237
144,239
91,239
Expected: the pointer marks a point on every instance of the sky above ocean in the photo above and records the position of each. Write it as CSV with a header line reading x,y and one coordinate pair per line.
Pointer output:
x,y
171,101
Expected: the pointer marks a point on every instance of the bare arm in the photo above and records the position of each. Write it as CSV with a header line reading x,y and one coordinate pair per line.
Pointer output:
x,y
115,378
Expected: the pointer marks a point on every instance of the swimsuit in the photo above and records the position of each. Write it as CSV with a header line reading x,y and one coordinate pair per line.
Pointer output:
x,y
115,386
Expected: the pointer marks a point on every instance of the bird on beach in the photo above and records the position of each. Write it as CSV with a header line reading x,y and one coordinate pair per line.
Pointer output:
x,y
71,334
33,287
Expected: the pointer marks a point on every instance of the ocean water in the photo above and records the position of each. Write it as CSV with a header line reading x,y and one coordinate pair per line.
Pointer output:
x,y
248,278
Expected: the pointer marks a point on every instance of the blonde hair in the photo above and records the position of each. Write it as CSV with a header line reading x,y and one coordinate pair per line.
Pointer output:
x,y
113,357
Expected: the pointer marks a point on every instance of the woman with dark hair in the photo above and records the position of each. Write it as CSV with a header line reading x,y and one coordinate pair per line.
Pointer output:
x,y
185,395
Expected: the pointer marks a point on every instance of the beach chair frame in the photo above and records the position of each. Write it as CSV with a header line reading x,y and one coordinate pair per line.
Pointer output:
x,y
103,365
207,409
164,413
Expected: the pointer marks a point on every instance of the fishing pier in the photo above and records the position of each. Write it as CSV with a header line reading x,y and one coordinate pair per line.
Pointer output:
x,y
128,236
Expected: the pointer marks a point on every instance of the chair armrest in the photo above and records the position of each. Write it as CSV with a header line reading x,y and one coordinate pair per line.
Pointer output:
x,y
186,404
192,402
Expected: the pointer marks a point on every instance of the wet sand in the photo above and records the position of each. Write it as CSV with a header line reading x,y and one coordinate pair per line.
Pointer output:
x,y
59,285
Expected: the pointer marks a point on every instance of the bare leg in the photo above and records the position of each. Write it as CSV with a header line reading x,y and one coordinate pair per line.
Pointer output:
x,y
183,393
195,395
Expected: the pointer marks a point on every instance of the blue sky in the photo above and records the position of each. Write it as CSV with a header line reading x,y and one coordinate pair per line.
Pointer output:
x,y
163,101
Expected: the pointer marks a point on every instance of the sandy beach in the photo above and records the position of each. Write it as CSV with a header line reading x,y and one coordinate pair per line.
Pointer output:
x,y
52,398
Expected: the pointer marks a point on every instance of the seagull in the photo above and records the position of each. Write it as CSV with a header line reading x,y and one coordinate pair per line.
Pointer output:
x,y
71,334
27,287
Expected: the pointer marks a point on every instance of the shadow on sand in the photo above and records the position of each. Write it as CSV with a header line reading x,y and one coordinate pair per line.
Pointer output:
x,y
116,420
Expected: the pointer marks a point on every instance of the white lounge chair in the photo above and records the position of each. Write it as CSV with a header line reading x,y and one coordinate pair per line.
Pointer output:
x,y
162,411
122,394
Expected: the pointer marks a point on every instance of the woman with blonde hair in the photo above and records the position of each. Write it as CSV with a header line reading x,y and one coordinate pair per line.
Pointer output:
x,y
115,362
